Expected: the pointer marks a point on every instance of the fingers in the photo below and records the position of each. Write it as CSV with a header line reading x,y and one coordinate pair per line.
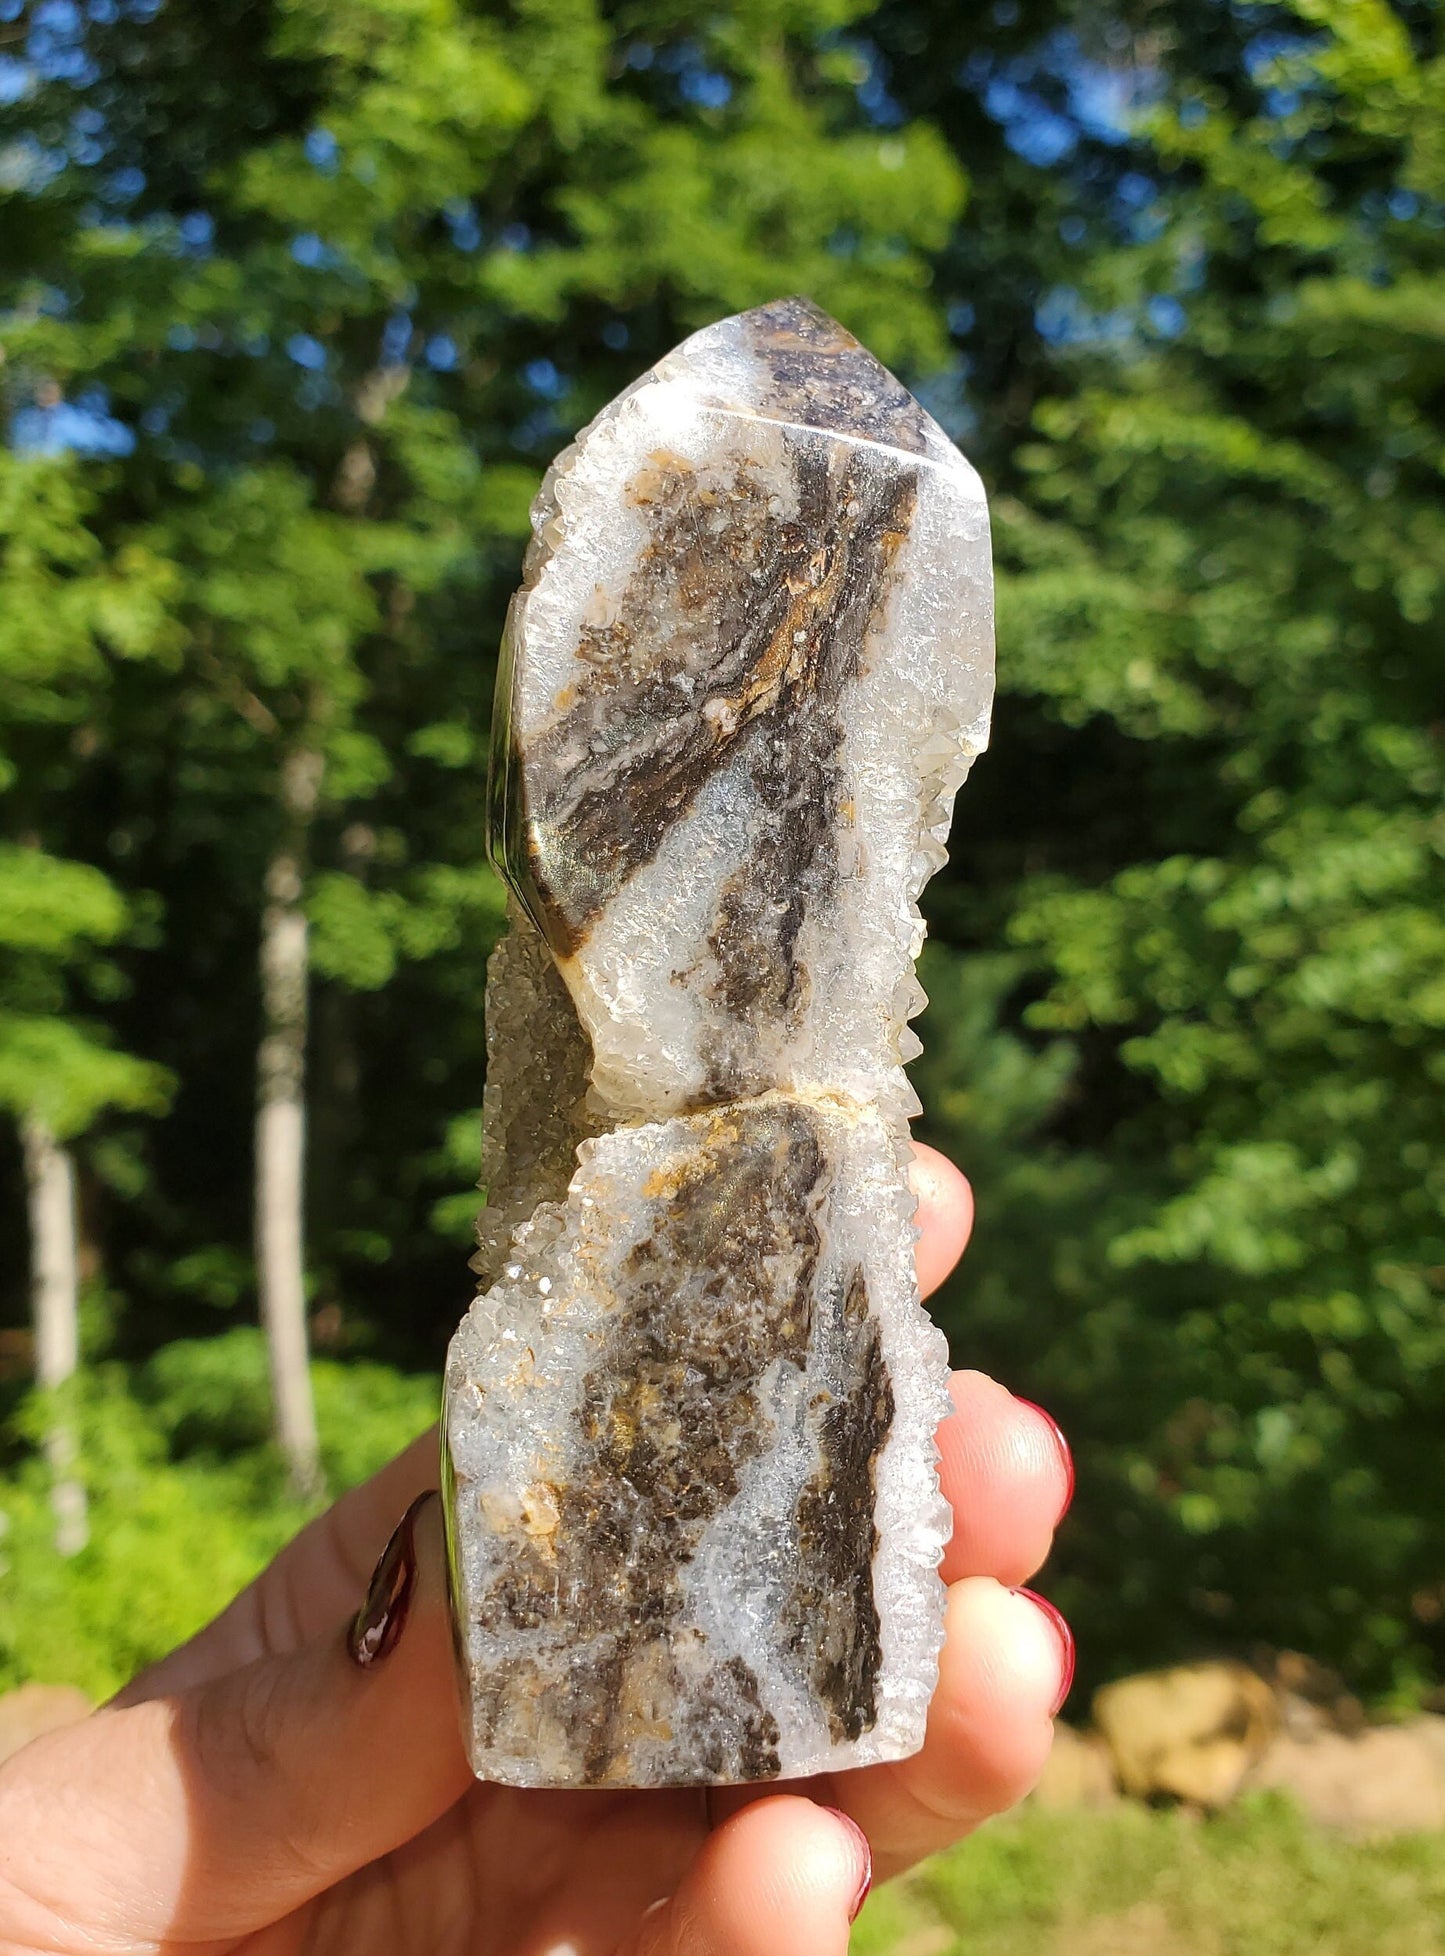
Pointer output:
x,y
945,1215
208,1813
1007,1473
1005,1666
783,1874
1007,1657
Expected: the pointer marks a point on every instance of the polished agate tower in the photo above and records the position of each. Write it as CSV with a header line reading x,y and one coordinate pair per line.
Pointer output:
x,y
693,1508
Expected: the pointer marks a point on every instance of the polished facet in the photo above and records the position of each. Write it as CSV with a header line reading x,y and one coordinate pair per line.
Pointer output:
x,y
689,1426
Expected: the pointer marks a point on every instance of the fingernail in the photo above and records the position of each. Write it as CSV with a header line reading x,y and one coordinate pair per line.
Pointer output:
x,y
1066,1645
382,1617
863,1854
1066,1453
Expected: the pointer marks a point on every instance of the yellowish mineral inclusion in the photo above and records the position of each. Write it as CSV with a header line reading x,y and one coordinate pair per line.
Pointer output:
x,y
693,1508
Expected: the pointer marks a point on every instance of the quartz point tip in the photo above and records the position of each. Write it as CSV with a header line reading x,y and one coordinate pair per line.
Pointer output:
x,y
693,1514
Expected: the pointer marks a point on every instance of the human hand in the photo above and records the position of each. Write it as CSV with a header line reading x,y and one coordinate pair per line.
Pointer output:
x,y
261,1790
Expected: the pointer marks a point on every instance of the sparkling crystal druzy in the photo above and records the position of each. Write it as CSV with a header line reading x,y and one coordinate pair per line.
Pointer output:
x,y
693,1511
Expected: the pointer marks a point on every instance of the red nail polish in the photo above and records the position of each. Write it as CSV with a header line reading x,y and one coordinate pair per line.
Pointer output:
x,y
1066,1645
865,1860
382,1617
1066,1453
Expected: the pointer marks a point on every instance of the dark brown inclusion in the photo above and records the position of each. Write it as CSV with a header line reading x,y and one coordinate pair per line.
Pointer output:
x,y
824,378
831,1621
725,1284
736,638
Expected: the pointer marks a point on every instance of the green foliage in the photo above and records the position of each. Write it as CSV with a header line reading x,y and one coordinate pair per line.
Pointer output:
x,y
1257,1881
52,913
53,907
360,934
313,294
187,1502
66,601
64,609
55,1070
333,283
1205,1119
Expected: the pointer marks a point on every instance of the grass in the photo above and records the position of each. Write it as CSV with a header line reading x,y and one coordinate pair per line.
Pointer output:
x,y
1127,1880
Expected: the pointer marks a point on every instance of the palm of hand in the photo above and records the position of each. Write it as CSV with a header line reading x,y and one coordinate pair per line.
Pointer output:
x,y
504,1871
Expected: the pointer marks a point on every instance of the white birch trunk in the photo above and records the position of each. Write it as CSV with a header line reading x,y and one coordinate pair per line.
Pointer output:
x,y
55,1302
281,1131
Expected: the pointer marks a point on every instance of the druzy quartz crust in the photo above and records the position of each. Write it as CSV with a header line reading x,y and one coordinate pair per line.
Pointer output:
x,y
692,1504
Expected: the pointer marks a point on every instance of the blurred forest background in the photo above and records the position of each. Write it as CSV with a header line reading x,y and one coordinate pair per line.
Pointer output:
x,y
297,300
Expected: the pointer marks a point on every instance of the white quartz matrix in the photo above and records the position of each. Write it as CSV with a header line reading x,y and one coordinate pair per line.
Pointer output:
x,y
693,1513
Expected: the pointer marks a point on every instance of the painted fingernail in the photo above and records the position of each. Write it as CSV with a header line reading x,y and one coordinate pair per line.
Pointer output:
x,y
1066,1453
1066,1646
863,1854
382,1617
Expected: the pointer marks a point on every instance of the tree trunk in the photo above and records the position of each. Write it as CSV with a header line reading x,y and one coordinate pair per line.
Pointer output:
x,y
55,1295
281,1128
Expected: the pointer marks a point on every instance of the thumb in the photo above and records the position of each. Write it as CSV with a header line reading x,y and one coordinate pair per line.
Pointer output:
x,y
205,1815
781,1874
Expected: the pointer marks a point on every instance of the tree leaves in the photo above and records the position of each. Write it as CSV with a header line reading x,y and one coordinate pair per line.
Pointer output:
x,y
67,1075
346,277
1224,552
